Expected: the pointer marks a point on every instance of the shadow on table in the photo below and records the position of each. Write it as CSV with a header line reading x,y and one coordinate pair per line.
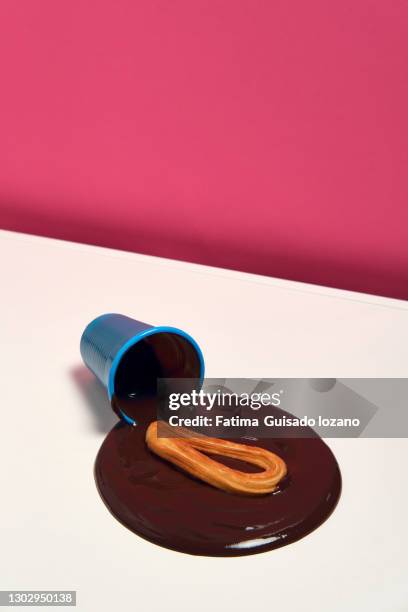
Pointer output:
x,y
96,398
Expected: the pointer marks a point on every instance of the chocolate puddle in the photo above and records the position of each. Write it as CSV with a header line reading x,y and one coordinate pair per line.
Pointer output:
x,y
170,508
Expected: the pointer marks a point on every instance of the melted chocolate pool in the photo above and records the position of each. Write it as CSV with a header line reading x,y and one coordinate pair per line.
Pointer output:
x,y
168,507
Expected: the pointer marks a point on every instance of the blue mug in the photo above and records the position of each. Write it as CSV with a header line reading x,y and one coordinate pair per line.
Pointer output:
x,y
128,356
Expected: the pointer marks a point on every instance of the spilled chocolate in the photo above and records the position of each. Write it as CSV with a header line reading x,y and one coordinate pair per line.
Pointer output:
x,y
170,508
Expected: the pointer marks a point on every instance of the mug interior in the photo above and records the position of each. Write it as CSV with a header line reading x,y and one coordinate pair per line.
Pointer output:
x,y
159,355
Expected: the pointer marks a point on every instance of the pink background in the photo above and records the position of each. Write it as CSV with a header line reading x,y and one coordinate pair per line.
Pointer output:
x,y
268,136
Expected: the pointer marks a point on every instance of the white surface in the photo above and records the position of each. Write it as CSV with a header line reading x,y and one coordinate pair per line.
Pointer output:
x,y
55,531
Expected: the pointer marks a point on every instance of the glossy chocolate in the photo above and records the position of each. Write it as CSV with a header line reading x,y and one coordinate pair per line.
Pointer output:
x,y
170,508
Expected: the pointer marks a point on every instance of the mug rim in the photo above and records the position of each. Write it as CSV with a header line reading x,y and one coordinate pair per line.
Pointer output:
x,y
134,340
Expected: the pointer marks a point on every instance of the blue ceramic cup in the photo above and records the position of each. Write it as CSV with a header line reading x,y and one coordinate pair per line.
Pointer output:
x,y
128,356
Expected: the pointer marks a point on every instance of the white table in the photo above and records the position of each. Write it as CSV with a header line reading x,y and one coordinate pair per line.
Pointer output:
x,y
55,531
